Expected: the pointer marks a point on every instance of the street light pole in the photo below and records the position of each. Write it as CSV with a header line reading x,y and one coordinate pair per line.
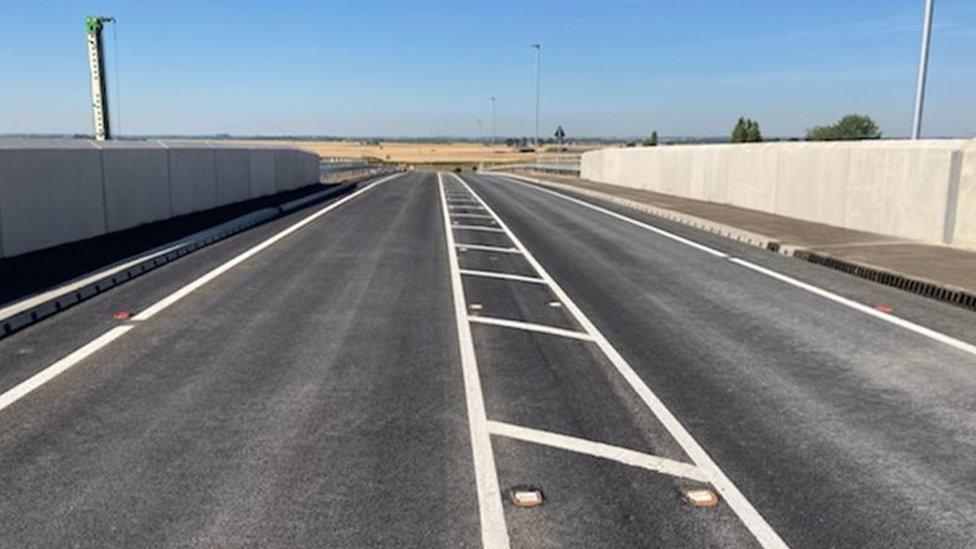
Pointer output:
x,y
538,65
494,135
923,69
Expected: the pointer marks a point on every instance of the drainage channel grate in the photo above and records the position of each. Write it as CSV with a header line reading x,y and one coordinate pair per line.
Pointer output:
x,y
921,287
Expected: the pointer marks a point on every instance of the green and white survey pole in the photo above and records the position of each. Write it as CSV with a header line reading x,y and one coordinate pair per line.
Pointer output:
x,y
99,94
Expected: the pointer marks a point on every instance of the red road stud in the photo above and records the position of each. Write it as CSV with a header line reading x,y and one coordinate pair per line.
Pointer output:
x,y
122,315
884,308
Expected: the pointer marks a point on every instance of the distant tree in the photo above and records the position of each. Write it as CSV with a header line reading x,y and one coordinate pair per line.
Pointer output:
x,y
739,131
752,132
746,131
652,140
851,127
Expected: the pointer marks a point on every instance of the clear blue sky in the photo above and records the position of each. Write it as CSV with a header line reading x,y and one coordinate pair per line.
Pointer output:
x,y
610,67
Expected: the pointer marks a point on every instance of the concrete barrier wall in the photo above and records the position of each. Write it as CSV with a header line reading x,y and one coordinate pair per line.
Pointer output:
x,y
136,183
192,180
964,232
233,177
921,190
58,191
261,168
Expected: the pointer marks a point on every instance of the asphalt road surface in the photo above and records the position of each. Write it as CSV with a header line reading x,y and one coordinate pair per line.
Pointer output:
x,y
381,369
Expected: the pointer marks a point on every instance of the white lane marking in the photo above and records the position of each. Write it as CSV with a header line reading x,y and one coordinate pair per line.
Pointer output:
x,y
530,327
494,532
506,276
190,287
886,317
479,247
20,306
477,228
473,207
478,216
626,219
599,449
47,374
751,518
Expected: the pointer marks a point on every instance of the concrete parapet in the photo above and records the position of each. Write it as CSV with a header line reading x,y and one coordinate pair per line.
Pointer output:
x,y
136,183
54,191
964,228
233,178
921,190
262,172
192,180
48,197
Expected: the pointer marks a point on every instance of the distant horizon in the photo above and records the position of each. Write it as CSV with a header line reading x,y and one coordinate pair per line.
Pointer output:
x,y
448,138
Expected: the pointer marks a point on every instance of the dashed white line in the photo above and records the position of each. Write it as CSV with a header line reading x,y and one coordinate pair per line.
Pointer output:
x,y
477,228
598,449
481,248
751,518
494,532
530,327
505,276
885,317
25,387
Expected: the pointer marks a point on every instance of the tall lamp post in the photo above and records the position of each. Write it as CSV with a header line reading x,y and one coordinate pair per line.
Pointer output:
x,y
923,69
494,135
538,65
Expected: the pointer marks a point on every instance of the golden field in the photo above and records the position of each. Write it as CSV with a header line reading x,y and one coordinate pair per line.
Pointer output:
x,y
412,153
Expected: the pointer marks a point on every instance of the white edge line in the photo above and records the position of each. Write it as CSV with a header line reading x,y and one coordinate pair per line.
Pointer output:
x,y
505,276
625,219
25,387
189,288
477,228
906,324
751,518
886,317
494,532
479,247
530,327
599,449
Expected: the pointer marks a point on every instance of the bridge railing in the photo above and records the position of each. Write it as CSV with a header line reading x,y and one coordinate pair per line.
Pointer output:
x,y
568,164
336,169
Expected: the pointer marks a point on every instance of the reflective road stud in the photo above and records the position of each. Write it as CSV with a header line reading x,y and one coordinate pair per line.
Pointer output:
x,y
524,495
700,497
